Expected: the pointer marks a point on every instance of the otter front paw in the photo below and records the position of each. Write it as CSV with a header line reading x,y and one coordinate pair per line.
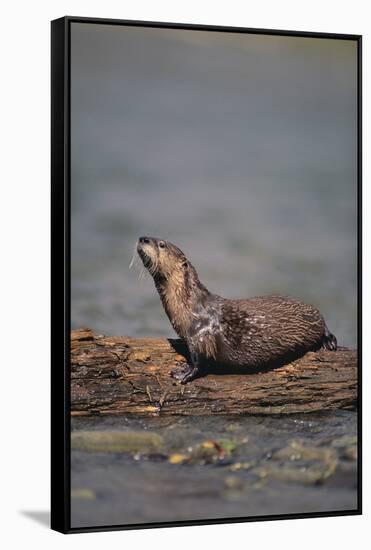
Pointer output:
x,y
181,370
185,373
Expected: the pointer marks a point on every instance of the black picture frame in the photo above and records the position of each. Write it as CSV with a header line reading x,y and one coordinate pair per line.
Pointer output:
x,y
60,268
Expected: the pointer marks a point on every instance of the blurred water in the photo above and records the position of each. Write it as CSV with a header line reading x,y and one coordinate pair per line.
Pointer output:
x,y
241,149
124,488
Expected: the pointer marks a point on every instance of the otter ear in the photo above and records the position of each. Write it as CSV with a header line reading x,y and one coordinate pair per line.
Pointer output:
x,y
184,265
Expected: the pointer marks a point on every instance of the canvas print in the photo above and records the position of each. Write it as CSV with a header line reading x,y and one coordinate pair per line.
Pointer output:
x,y
213,257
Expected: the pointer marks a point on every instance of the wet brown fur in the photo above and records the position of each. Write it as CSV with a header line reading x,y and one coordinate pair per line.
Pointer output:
x,y
176,281
252,332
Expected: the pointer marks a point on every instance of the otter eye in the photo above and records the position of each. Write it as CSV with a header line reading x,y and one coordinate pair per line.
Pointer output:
x,y
161,244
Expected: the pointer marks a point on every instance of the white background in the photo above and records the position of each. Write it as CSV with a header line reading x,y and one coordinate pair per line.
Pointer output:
x,y
24,219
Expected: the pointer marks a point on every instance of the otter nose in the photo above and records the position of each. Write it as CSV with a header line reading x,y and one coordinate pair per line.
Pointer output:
x,y
145,240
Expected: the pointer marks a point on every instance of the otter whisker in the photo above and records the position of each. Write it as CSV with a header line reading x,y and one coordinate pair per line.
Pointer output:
x,y
142,273
153,267
134,258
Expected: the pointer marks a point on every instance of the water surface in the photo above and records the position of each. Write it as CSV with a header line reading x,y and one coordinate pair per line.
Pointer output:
x,y
124,488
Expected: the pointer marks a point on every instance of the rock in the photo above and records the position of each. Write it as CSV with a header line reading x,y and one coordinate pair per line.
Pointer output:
x,y
311,475
83,494
233,483
351,453
297,451
211,451
241,466
345,441
116,442
232,427
301,464
178,458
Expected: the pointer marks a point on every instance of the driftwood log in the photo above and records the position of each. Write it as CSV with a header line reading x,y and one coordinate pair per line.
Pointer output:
x,y
122,375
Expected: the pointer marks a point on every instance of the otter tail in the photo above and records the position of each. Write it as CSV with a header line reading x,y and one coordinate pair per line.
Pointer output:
x,y
329,340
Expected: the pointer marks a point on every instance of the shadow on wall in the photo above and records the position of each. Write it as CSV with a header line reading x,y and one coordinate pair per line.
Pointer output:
x,y
42,517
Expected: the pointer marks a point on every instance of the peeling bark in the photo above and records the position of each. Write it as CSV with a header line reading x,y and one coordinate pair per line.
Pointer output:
x,y
123,375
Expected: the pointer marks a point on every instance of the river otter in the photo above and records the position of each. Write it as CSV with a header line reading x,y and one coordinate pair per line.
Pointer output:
x,y
253,333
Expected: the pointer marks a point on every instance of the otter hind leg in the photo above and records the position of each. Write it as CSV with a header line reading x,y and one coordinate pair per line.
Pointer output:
x,y
329,340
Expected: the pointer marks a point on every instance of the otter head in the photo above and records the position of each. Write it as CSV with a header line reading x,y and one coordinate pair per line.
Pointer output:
x,y
164,260
175,278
